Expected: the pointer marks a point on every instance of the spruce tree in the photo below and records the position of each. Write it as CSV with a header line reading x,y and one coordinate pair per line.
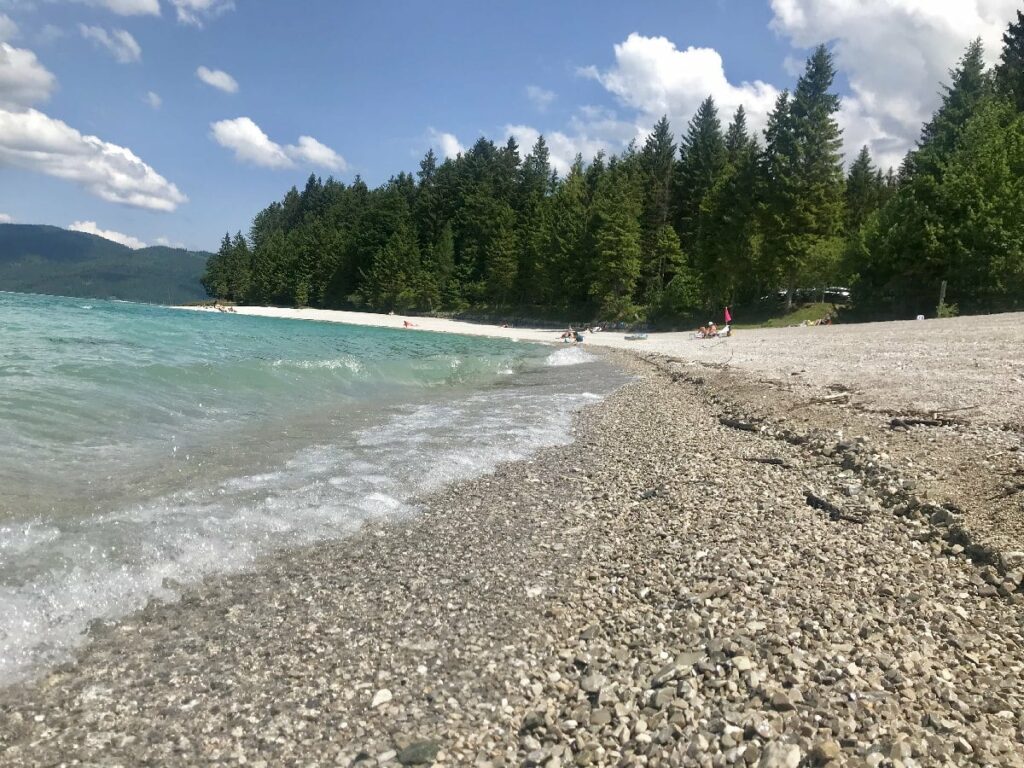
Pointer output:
x,y
657,162
566,267
239,269
615,228
1010,70
702,159
725,255
502,258
969,84
534,186
803,205
216,278
863,195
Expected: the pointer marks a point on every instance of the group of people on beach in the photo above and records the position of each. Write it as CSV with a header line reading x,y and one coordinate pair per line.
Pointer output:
x,y
712,331
572,336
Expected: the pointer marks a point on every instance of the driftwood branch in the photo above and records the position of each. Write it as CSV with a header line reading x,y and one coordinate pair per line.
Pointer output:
x,y
834,512
741,424
774,461
902,422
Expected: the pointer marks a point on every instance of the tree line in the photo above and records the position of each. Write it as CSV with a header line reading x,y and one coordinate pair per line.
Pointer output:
x,y
661,232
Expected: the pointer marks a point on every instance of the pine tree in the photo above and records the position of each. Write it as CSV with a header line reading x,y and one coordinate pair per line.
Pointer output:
x,y
803,167
392,281
239,269
501,258
737,136
217,276
657,162
702,159
566,267
969,85
864,185
725,252
1010,71
615,225
534,186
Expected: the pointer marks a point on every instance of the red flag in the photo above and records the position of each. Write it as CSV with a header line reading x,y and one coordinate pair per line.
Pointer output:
x,y
728,317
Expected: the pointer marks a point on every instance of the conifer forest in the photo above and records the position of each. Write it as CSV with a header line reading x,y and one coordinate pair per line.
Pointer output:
x,y
719,215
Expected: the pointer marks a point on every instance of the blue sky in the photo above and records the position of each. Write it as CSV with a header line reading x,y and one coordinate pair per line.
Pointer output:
x,y
180,158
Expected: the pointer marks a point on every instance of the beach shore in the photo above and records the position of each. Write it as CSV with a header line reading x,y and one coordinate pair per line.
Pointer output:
x,y
721,569
932,364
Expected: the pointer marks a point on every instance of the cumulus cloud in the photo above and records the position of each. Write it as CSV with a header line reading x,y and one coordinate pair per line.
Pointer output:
x,y
34,141
195,12
541,97
23,80
895,54
119,43
447,144
167,242
654,77
6,218
90,227
154,100
251,145
218,78
8,29
316,154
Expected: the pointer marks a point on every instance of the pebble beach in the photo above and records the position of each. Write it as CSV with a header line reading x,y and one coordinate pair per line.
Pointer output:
x,y
738,561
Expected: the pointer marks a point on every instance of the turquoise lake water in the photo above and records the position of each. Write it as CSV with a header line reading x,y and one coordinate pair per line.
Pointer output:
x,y
142,448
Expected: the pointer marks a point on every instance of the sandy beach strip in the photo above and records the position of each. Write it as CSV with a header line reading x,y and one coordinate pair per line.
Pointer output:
x,y
720,570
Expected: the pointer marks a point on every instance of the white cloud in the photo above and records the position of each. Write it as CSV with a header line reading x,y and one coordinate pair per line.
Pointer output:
x,y
316,154
653,77
218,78
6,218
251,145
895,54
8,29
129,7
446,143
196,11
23,80
541,97
168,243
90,227
154,100
121,45
34,141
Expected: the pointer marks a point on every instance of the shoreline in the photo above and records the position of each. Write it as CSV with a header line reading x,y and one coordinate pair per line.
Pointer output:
x,y
963,362
658,590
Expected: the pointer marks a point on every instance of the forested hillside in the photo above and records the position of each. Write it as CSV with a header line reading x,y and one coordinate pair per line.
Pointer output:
x,y
40,259
665,230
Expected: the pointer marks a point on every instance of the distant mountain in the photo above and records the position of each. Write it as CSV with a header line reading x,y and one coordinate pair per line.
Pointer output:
x,y
41,259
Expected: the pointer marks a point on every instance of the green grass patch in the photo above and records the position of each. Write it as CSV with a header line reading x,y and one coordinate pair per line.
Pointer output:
x,y
782,319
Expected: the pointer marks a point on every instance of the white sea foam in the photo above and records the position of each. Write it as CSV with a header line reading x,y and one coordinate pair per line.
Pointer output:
x,y
569,356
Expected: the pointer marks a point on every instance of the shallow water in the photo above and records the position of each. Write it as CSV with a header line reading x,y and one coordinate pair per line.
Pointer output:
x,y
143,448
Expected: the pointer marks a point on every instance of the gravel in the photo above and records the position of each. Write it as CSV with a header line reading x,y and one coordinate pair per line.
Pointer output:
x,y
691,582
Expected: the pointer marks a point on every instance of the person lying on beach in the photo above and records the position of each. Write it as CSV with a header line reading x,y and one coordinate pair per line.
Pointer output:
x,y
568,335
407,324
